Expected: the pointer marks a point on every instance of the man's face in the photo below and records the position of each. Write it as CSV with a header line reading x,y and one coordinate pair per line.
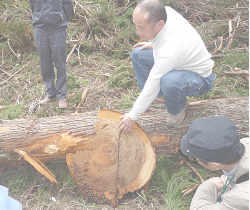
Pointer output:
x,y
144,30
209,165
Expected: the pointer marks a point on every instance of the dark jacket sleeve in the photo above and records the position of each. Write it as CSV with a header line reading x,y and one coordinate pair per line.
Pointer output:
x,y
31,6
68,8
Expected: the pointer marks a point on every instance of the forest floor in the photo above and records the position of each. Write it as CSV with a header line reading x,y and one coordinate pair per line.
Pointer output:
x,y
100,36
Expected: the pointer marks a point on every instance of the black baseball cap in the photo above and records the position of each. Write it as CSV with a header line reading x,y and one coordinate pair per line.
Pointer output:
x,y
211,139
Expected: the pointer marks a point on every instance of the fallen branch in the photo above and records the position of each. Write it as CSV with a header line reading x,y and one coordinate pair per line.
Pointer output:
x,y
236,72
126,8
102,30
12,49
202,180
231,32
71,52
2,83
187,191
221,44
84,94
218,56
5,72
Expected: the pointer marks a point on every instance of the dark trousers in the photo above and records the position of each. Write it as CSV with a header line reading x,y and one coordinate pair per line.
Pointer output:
x,y
51,49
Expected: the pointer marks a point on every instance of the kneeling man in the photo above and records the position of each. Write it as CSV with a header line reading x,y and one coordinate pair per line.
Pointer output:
x,y
215,143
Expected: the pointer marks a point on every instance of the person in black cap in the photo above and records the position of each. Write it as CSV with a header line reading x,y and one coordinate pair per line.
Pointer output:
x,y
215,144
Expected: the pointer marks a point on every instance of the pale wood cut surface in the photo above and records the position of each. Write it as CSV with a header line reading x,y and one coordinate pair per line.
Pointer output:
x,y
118,162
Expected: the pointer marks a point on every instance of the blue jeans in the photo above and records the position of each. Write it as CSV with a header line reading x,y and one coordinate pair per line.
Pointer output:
x,y
175,85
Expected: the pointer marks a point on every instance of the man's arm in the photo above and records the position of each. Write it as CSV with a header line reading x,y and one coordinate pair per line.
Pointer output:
x,y
143,45
67,7
208,192
127,123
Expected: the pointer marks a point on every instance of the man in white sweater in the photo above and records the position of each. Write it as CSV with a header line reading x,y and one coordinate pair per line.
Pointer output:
x,y
173,62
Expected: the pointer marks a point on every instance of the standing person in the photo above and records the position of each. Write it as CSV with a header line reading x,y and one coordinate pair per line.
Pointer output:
x,y
173,62
50,19
6,202
215,143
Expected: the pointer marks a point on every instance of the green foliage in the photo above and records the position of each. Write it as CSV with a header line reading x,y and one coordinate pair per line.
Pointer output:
x,y
169,180
172,3
77,98
74,62
125,102
72,82
11,112
19,33
48,110
76,30
87,47
18,181
220,30
123,77
237,59
103,18
125,20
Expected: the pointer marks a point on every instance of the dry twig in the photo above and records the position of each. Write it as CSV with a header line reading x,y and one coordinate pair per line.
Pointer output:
x,y
202,180
12,49
187,191
2,83
84,94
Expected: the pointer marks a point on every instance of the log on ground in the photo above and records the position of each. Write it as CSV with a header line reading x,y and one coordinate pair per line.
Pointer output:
x,y
50,139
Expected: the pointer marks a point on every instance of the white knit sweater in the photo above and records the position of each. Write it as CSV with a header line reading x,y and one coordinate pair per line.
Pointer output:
x,y
178,46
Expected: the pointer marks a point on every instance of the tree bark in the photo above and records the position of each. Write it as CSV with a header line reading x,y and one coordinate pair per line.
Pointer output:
x,y
50,139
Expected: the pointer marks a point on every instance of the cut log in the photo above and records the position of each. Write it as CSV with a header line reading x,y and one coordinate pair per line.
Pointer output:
x,y
104,163
50,139
117,164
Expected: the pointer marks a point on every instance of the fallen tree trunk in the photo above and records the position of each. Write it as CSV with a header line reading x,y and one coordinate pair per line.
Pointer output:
x,y
50,139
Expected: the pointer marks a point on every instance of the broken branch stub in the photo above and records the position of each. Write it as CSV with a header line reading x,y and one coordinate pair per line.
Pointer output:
x,y
117,164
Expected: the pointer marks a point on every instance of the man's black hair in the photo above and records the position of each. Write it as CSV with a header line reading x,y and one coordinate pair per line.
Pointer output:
x,y
235,159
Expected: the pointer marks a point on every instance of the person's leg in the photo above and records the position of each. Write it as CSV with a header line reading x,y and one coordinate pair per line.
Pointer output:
x,y
58,48
178,84
46,62
142,61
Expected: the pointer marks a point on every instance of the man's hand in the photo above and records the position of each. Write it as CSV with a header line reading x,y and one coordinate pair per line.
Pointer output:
x,y
143,45
218,182
126,123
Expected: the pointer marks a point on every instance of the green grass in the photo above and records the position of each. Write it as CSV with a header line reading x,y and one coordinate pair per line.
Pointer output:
x,y
169,180
100,54
11,112
164,190
103,55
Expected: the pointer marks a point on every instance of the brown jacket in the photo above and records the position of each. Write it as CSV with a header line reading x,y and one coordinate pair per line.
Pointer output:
x,y
235,198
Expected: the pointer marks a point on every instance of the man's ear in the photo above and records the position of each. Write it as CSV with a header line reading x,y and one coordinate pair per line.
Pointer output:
x,y
217,166
160,24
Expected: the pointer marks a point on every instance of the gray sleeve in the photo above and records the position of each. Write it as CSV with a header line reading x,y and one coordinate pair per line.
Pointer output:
x,y
68,8
31,6
207,194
